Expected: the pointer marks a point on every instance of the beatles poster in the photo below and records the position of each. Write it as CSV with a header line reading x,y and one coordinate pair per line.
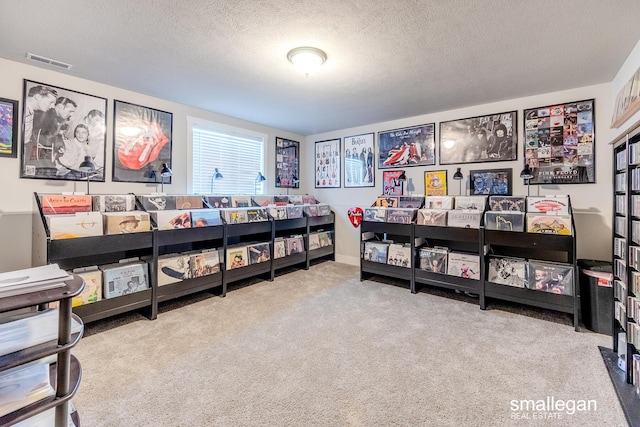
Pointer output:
x,y
358,161
414,146
328,164
560,143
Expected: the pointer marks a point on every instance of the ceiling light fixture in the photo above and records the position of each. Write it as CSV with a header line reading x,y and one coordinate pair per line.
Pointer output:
x,y
307,59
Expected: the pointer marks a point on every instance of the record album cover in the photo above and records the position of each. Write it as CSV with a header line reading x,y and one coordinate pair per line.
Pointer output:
x,y
79,224
219,201
401,215
387,201
434,260
549,224
314,241
262,200
294,211
171,219
189,202
507,203
375,214
295,245
157,202
114,203
376,252
278,212
551,277
237,257
241,201
438,202
259,252
410,201
464,218
399,255
432,217
53,204
471,202
508,271
279,248
463,265
326,238
257,214
173,268
205,217
558,204
310,210
122,279
324,209
504,220
235,216
204,263
92,291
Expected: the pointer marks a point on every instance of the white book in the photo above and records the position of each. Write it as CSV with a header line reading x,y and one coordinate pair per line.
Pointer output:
x,y
32,279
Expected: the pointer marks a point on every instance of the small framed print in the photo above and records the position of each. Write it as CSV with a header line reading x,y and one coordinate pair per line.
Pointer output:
x,y
8,128
358,161
287,163
391,185
435,183
491,181
327,164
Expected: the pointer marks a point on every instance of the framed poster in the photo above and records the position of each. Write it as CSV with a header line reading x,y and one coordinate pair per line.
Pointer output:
x,y
141,143
358,161
287,163
414,146
491,138
8,128
391,185
60,127
435,183
491,181
328,163
560,143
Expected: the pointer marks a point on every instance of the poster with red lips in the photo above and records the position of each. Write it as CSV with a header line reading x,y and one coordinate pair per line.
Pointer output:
x,y
142,143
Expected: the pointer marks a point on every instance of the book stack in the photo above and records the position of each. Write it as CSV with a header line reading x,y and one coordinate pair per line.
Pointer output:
x,y
34,279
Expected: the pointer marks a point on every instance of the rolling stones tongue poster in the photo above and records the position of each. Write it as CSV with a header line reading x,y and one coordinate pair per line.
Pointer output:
x,y
142,143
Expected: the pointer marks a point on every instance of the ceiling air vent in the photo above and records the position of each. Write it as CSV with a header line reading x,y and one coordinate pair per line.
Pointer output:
x,y
52,62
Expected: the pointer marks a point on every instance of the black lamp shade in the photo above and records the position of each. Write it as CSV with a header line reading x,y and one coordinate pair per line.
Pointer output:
x,y
260,177
458,174
217,174
87,165
166,170
402,177
526,172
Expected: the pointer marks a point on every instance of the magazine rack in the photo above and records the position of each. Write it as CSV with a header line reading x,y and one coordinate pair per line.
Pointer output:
x,y
66,372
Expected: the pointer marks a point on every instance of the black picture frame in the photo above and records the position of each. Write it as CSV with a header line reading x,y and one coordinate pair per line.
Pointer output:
x,y
142,142
491,181
478,139
287,163
8,128
359,154
406,147
53,118
560,142
327,163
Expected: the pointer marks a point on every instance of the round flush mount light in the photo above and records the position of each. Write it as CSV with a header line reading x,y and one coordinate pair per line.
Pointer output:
x,y
307,59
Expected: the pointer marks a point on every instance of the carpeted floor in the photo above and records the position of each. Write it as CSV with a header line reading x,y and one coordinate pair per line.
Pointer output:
x,y
321,348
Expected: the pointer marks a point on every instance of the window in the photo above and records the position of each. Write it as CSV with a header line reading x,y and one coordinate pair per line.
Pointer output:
x,y
238,154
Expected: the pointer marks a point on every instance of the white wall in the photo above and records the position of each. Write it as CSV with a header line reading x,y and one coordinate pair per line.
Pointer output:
x,y
627,70
16,195
591,202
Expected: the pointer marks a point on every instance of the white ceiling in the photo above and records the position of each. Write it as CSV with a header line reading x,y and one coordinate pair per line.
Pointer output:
x,y
387,59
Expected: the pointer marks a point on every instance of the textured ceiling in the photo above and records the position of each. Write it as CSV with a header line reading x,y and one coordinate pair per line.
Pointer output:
x,y
387,59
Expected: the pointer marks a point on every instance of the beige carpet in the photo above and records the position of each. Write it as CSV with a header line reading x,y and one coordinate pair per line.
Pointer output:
x,y
320,348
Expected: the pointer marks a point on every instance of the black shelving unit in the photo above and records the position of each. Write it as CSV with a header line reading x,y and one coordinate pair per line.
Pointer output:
x,y
285,228
324,223
467,240
548,247
245,233
625,249
399,233
186,240
66,372
95,250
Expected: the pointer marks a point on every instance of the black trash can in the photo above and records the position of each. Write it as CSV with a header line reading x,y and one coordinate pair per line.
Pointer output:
x,y
596,295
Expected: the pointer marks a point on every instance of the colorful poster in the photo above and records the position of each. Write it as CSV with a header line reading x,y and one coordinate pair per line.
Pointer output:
x,y
327,164
414,146
435,183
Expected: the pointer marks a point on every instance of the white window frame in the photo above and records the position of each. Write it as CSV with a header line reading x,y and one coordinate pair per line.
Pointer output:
x,y
208,125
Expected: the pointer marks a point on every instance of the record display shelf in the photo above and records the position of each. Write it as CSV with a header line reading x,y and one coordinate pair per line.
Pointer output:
x,y
186,240
261,231
286,228
381,232
467,240
321,223
535,246
64,375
